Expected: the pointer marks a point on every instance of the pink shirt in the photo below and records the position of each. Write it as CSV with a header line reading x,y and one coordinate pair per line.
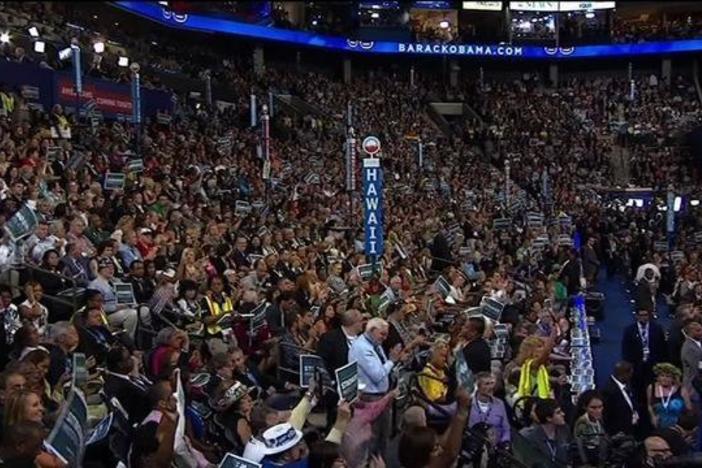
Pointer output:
x,y
355,443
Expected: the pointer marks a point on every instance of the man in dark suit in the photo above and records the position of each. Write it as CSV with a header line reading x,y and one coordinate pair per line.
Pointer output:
x,y
591,264
646,289
477,351
95,338
333,348
66,340
620,406
74,265
276,311
441,252
119,384
643,345
571,271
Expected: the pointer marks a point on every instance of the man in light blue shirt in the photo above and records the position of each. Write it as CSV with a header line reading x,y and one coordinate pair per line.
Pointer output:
x,y
374,369
128,250
118,315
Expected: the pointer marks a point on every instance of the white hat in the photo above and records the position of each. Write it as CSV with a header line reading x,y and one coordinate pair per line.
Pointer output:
x,y
255,450
280,438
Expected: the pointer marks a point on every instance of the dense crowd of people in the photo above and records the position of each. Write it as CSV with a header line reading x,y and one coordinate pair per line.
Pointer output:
x,y
208,247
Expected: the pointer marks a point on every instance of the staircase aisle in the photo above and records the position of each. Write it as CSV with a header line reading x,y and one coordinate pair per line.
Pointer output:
x,y
618,310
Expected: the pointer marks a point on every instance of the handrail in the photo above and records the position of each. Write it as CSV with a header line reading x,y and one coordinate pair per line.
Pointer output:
x,y
42,270
61,300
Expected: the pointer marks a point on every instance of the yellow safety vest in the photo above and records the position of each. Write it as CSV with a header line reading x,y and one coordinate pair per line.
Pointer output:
x,y
62,121
218,311
8,103
526,386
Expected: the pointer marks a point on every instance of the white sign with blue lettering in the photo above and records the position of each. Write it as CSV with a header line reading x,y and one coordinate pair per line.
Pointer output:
x,y
373,206
670,212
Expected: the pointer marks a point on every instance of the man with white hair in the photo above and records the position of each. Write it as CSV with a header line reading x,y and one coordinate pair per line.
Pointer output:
x,y
65,338
374,369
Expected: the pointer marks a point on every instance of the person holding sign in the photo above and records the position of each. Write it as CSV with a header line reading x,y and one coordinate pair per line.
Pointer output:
x,y
118,315
374,369
22,447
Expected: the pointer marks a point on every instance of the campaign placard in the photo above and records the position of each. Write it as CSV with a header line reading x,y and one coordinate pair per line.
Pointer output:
x,y
114,181
124,293
347,382
308,365
100,431
258,320
21,223
66,439
80,371
232,461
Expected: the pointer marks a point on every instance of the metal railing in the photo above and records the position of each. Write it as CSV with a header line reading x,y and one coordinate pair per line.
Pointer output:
x,y
24,272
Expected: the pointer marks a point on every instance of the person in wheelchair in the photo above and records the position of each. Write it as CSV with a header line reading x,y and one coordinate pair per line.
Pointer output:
x,y
436,384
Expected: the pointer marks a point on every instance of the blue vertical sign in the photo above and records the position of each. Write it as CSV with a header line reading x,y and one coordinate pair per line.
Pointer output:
x,y
373,207
670,212
77,69
136,99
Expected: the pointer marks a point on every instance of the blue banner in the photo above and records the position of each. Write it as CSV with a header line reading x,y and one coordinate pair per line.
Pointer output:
x,y
77,69
136,99
198,22
373,207
111,99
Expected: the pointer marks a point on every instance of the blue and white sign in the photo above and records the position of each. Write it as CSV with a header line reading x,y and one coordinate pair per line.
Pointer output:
x,y
199,22
670,213
77,69
136,99
373,206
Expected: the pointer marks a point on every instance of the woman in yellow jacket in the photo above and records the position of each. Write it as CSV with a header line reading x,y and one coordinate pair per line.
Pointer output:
x,y
217,304
532,359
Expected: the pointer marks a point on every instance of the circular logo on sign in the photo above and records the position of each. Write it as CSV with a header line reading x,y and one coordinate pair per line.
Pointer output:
x,y
371,145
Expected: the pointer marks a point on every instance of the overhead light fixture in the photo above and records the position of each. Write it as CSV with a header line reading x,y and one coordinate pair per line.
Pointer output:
x,y
39,47
444,24
314,22
5,38
589,15
694,203
123,61
65,54
99,47
375,15
33,31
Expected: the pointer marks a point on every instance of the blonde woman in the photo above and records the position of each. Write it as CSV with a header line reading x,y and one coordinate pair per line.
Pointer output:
x,y
532,359
433,380
189,267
